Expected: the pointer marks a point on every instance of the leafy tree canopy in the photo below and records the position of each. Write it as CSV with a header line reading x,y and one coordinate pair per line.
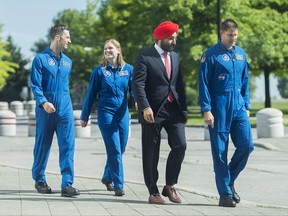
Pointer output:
x,y
6,67
14,83
262,33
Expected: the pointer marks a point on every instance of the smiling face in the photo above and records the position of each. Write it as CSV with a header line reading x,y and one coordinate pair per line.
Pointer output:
x,y
229,37
111,52
64,39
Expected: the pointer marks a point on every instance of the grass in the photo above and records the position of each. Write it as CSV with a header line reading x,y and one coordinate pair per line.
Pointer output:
x,y
195,116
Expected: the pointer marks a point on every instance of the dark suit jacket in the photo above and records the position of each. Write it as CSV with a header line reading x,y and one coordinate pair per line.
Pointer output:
x,y
151,85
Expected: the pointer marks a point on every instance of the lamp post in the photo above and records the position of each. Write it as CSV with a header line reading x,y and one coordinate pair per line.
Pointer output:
x,y
218,17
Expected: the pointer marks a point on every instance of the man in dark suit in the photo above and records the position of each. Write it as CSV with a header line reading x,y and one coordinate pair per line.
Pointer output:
x,y
160,95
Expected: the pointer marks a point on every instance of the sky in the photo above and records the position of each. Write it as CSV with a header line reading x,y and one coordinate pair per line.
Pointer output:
x,y
29,21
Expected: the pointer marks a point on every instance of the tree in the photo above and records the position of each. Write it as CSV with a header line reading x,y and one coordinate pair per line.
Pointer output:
x,y
133,26
6,67
83,49
134,23
19,79
263,34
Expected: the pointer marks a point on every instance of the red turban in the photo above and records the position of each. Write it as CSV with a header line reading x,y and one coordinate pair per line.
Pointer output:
x,y
165,30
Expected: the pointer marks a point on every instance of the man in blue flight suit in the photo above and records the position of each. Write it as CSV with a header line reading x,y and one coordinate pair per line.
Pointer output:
x,y
224,100
50,74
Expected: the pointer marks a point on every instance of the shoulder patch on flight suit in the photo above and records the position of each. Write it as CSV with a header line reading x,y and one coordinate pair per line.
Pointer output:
x,y
51,62
107,73
225,57
221,76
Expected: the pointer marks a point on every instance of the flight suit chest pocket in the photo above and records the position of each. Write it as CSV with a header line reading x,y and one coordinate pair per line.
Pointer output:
x,y
123,78
64,70
49,73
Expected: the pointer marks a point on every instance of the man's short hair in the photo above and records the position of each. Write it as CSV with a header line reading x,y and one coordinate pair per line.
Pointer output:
x,y
57,30
228,24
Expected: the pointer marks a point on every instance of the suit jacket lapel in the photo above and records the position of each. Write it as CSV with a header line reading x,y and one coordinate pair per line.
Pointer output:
x,y
173,64
158,60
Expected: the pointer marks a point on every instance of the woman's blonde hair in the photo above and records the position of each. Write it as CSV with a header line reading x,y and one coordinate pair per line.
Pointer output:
x,y
120,59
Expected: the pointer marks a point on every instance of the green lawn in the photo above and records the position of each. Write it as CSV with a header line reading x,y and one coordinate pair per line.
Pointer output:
x,y
195,116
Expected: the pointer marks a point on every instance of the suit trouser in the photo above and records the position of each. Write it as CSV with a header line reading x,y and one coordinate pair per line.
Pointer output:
x,y
241,135
64,127
173,122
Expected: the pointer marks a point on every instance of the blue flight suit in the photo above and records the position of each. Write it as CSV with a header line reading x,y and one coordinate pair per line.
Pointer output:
x,y
223,90
50,83
111,86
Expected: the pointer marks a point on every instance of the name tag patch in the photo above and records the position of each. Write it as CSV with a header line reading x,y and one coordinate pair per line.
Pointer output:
x,y
123,73
65,64
239,57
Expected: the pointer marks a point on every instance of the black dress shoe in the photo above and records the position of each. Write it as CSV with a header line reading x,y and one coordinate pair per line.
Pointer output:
x,y
227,201
108,185
69,191
235,196
42,187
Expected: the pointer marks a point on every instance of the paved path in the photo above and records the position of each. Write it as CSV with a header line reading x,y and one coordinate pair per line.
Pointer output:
x,y
263,185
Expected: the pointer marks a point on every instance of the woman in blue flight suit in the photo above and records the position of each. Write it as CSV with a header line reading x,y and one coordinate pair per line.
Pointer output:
x,y
224,99
110,82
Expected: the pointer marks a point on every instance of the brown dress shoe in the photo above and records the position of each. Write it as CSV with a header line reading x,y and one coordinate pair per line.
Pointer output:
x,y
170,192
156,199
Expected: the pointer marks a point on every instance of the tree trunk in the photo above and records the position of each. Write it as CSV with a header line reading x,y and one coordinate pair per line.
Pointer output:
x,y
267,88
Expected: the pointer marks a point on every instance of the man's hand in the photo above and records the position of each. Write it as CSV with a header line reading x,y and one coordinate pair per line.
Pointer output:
x,y
48,107
248,113
136,106
209,118
83,123
148,115
185,113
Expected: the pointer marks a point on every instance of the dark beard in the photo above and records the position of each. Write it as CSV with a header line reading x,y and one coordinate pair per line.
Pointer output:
x,y
167,47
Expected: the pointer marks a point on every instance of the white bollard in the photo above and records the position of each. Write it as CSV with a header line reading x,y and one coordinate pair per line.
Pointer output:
x,y
206,132
25,104
7,123
31,124
17,107
269,123
31,105
4,105
81,132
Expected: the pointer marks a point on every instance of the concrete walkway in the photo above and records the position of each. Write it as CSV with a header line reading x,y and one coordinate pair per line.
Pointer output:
x,y
263,185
